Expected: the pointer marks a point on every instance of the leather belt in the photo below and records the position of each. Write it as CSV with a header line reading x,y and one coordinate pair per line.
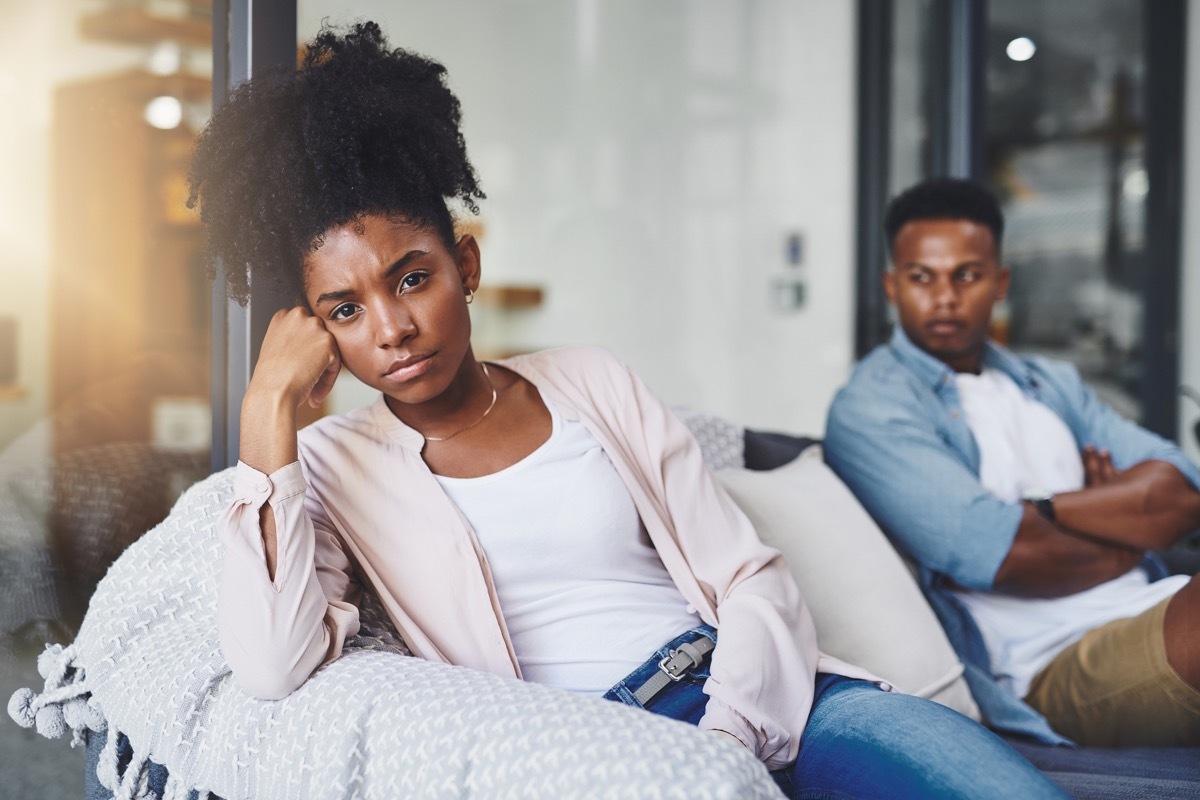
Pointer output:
x,y
676,666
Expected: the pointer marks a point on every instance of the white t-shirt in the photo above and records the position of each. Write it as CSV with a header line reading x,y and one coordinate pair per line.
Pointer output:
x,y
1025,448
585,597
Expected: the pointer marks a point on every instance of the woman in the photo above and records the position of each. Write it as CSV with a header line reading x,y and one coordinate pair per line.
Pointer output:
x,y
543,517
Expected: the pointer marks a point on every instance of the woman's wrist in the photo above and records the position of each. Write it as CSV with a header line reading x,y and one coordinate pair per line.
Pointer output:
x,y
268,432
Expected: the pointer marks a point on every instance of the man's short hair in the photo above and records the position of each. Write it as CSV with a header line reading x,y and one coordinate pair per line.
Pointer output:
x,y
944,198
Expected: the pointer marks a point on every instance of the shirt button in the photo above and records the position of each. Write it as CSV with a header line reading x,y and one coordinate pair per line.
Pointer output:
x,y
262,487
691,609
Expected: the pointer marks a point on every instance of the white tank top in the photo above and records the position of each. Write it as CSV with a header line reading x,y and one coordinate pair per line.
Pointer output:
x,y
584,594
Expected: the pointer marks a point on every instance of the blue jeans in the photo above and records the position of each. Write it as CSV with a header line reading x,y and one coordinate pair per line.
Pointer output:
x,y
863,742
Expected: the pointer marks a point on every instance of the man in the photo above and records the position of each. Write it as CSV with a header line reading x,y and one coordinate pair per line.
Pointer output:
x,y
1028,504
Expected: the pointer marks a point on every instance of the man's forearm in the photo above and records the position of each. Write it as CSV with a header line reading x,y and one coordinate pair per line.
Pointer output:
x,y
1045,561
1148,506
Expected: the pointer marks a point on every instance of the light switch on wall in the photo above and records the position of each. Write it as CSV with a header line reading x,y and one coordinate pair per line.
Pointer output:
x,y
788,294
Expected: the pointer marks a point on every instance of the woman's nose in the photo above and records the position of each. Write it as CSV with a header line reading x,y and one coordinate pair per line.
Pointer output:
x,y
394,326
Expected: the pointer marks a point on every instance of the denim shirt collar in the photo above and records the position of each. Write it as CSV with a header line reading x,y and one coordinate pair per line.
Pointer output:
x,y
935,374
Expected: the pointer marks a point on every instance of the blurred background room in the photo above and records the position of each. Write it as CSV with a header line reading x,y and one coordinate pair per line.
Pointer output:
x,y
696,185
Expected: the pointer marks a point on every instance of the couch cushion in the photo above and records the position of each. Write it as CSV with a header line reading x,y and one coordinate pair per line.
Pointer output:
x,y
771,450
722,443
1132,773
868,609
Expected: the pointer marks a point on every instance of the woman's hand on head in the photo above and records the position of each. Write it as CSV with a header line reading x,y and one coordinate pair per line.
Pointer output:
x,y
298,361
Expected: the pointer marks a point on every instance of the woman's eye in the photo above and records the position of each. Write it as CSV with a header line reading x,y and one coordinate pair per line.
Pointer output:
x,y
413,280
344,311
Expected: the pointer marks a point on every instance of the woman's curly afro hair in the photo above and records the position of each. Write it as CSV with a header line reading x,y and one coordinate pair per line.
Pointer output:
x,y
357,129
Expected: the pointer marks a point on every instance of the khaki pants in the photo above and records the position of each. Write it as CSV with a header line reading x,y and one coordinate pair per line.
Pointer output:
x,y
1114,688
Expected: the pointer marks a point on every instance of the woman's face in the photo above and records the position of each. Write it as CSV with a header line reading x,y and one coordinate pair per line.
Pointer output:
x,y
394,299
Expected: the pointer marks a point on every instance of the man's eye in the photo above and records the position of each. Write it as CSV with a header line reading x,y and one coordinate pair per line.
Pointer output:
x,y
969,276
344,311
413,280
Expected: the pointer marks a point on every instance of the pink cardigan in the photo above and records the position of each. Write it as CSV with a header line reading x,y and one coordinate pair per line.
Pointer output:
x,y
371,508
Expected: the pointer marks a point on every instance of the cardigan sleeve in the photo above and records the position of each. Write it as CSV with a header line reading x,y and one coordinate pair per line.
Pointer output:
x,y
763,669
275,633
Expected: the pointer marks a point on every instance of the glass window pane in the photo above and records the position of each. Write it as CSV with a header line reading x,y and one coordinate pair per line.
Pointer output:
x,y
104,317
909,131
1064,151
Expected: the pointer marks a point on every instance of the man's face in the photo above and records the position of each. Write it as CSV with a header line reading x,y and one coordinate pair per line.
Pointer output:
x,y
944,281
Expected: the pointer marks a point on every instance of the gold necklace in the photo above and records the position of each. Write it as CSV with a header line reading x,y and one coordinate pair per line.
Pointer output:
x,y
482,417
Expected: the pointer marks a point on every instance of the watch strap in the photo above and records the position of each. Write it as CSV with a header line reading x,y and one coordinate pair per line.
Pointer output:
x,y
1044,506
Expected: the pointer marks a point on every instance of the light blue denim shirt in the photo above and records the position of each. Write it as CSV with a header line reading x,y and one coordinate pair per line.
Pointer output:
x,y
898,436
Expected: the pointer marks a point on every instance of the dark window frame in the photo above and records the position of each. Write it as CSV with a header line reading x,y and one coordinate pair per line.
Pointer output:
x,y
248,36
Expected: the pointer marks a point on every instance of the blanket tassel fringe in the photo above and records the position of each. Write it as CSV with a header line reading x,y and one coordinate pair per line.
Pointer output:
x,y
66,704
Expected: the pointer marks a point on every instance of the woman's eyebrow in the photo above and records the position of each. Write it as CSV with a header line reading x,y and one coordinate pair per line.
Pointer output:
x,y
327,296
403,262
400,264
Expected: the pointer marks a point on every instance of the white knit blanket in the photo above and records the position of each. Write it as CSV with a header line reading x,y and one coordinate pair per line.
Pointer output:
x,y
376,723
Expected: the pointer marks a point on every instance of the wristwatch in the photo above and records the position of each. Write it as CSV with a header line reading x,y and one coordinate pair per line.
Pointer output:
x,y
1043,502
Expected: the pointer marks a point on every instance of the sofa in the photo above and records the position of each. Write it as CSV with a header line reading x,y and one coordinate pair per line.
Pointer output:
x,y
65,518
145,688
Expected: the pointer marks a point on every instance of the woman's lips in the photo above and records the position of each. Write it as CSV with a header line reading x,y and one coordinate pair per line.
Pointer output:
x,y
405,369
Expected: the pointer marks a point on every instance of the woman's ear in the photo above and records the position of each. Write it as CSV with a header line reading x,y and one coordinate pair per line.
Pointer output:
x,y
466,254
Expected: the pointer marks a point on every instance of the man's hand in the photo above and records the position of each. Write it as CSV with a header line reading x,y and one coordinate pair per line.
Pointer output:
x,y
1100,531
1098,468
1148,506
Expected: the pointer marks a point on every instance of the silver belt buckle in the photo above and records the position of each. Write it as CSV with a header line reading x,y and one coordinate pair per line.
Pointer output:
x,y
674,667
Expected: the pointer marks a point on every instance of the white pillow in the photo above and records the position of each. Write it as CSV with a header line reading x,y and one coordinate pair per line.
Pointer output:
x,y
868,608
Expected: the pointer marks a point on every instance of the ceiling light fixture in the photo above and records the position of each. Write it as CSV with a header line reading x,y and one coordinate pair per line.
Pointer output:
x,y
1021,49
164,112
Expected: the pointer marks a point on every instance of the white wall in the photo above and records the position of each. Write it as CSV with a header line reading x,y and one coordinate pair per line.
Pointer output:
x,y
39,48
645,163
1189,329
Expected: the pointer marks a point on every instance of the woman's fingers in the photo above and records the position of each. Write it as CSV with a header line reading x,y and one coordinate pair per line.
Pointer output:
x,y
325,383
298,358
